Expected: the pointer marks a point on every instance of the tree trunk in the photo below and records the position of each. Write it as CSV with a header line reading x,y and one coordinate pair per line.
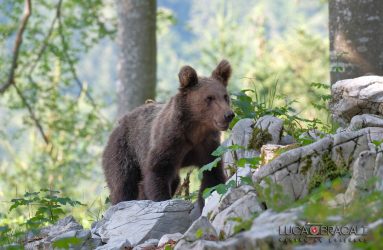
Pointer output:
x,y
356,36
137,59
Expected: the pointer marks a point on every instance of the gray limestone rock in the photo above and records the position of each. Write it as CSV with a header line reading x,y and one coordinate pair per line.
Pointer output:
x,y
243,208
364,121
295,169
116,244
65,229
363,171
148,244
138,221
264,234
169,237
351,97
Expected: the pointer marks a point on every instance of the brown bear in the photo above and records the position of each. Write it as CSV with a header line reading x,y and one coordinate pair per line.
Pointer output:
x,y
151,143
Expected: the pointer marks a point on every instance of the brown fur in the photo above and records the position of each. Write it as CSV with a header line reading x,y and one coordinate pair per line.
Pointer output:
x,y
146,150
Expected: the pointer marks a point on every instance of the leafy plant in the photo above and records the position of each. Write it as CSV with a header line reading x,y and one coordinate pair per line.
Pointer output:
x,y
261,101
48,207
221,189
224,187
377,144
208,167
41,208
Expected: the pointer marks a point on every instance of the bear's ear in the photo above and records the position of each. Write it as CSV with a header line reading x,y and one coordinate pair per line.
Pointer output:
x,y
223,72
188,77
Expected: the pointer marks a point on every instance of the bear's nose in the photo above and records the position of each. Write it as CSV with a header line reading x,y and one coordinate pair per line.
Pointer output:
x,y
229,116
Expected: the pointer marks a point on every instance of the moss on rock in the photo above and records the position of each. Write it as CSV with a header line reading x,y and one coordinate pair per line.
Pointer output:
x,y
258,138
308,164
327,170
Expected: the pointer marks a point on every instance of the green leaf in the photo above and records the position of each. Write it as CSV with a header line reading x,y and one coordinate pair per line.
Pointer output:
x,y
246,180
221,188
168,247
236,147
251,161
377,143
27,194
241,162
49,190
199,233
208,167
207,192
219,151
231,184
319,85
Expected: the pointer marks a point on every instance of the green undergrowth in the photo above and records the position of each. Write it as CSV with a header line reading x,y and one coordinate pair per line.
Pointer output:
x,y
36,210
261,100
318,207
329,180
327,170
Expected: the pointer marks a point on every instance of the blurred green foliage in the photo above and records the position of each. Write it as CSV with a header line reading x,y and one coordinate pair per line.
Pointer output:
x,y
43,208
52,126
265,41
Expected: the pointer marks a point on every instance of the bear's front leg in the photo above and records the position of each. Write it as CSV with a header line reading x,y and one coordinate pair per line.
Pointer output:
x,y
160,173
157,186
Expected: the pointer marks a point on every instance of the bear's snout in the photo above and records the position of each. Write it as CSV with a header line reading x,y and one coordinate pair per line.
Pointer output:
x,y
229,116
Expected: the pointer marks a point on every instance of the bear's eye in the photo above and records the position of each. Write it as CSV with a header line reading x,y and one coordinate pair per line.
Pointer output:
x,y
210,98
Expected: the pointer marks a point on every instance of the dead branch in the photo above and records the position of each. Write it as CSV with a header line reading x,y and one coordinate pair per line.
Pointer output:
x,y
32,114
16,47
185,186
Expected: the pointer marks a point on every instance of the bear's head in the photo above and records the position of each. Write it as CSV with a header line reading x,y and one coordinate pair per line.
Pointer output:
x,y
206,98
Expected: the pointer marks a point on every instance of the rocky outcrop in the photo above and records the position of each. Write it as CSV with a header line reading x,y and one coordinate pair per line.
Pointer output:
x,y
364,121
270,151
301,169
251,136
234,206
355,151
65,229
169,238
131,224
351,97
263,234
138,221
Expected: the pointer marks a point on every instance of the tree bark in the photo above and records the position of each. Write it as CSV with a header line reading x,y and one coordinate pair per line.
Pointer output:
x,y
137,59
356,36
